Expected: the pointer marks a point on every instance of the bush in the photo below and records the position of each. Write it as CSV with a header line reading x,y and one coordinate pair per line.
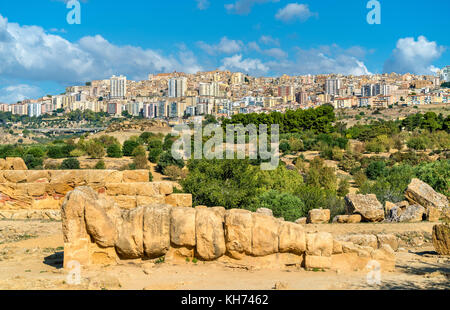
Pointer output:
x,y
282,205
285,147
107,141
100,165
140,162
77,153
153,155
418,143
166,160
139,151
95,150
375,169
114,151
344,188
174,173
60,151
321,176
296,145
129,146
155,144
33,162
168,141
70,164
360,178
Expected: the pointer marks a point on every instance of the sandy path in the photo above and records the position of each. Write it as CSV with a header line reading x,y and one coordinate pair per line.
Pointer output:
x,y
35,263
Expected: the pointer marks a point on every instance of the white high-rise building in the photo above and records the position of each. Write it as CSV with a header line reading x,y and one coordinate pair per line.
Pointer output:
x,y
34,109
118,86
204,89
445,74
177,87
332,86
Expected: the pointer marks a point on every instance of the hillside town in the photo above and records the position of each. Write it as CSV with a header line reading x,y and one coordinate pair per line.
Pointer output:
x,y
176,96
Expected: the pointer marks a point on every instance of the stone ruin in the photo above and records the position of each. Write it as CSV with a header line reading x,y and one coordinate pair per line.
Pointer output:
x,y
109,216
98,232
39,194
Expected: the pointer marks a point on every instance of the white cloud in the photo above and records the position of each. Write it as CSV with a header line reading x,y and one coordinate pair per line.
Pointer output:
x,y
411,56
28,52
276,52
244,7
14,93
225,46
293,12
248,65
268,40
254,46
323,60
202,4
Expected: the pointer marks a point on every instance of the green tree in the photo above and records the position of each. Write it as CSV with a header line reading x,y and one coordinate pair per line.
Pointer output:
x,y
283,205
344,188
153,155
95,149
100,165
114,151
70,164
129,146
166,159
375,169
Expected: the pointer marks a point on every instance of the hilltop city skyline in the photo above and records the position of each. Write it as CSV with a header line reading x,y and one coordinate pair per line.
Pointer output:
x,y
41,53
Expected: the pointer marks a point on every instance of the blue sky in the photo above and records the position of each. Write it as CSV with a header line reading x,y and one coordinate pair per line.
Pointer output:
x,y
40,53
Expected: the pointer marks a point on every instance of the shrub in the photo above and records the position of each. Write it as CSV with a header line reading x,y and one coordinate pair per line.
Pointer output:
x,y
140,162
155,144
70,164
418,143
100,165
139,151
153,155
174,173
283,205
129,146
33,162
375,169
360,178
114,151
77,153
296,145
166,160
344,188
95,150
321,176
285,146
168,141
107,141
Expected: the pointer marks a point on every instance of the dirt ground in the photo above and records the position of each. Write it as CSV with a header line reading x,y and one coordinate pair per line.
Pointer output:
x,y
31,255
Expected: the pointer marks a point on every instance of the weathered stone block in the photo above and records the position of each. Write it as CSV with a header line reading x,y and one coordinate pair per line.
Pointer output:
x,y
126,202
441,239
210,235
182,226
264,235
318,216
367,206
238,232
156,231
317,262
130,242
121,189
179,200
133,176
319,244
292,238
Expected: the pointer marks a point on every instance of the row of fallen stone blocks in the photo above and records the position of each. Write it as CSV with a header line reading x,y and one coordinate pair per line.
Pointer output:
x,y
96,231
